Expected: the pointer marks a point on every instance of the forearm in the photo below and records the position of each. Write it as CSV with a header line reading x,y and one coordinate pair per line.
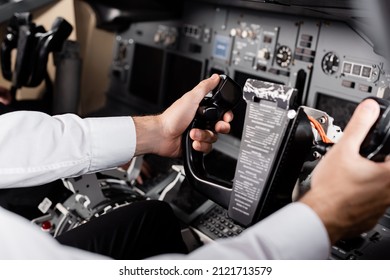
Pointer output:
x,y
327,215
147,134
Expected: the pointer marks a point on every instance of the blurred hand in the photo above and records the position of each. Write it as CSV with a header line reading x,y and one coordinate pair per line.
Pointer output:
x,y
349,192
5,96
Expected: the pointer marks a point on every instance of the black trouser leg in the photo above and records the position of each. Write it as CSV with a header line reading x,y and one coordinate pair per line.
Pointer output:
x,y
137,231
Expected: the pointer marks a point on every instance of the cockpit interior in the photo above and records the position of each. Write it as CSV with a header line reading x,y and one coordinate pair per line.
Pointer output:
x,y
112,58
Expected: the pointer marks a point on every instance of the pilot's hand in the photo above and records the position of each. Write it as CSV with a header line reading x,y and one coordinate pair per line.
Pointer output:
x,y
162,134
349,192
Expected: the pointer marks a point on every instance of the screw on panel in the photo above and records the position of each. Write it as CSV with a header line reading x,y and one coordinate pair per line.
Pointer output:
x,y
322,120
316,155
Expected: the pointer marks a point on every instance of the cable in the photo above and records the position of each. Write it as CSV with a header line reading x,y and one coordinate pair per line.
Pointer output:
x,y
320,130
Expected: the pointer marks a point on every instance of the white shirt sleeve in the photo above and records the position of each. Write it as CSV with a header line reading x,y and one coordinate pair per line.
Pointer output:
x,y
37,148
294,232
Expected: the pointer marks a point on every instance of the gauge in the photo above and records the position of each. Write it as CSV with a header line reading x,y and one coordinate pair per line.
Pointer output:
x,y
283,56
330,63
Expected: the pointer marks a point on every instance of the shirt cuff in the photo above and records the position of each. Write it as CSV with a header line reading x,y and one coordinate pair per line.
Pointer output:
x,y
113,141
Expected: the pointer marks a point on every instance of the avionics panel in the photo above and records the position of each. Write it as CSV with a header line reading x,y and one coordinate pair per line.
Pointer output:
x,y
330,64
345,71
148,71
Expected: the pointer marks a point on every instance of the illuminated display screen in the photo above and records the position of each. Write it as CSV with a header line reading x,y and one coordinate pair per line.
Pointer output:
x,y
222,47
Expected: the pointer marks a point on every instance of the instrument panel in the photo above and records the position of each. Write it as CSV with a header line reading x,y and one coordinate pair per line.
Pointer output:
x,y
330,63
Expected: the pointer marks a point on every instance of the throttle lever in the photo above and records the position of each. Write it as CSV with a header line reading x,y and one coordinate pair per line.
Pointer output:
x,y
11,39
47,42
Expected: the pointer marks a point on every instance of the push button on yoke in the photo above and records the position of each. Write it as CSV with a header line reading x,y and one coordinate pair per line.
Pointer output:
x,y
209,113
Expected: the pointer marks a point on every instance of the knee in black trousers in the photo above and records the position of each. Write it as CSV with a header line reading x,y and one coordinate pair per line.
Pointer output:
x,y
136,231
